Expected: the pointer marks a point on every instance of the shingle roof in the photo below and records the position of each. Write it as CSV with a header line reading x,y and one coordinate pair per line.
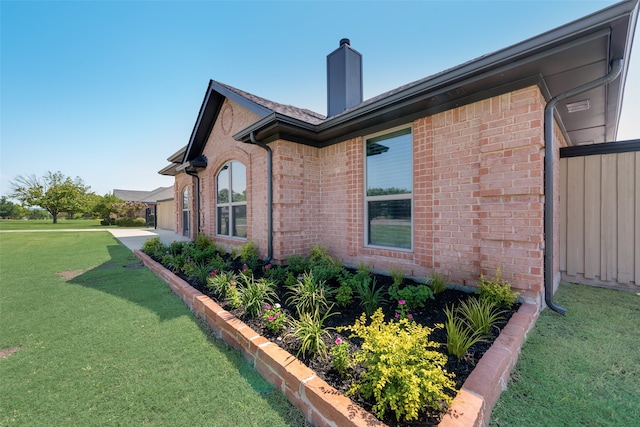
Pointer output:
x,y
284,109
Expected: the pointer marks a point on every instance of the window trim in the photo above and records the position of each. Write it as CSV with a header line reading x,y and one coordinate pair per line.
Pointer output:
x,y
230,204
404,196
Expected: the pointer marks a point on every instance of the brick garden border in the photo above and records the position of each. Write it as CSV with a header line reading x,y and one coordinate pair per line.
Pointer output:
x,y
322,404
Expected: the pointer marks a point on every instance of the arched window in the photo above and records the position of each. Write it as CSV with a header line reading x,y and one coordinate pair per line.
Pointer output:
x,y
231,200
186,212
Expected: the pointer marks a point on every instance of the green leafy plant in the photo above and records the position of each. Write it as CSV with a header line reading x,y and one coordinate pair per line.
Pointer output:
x,y
497,290
297,265
248,254
275,273
438,282
414,295
319,256
402,372
344,296
254,294
309,330
152,245
481,314
327,273
233,295
274,318
203,242
460,337
309,295
369,294
340,357
197,270
219,282
397,276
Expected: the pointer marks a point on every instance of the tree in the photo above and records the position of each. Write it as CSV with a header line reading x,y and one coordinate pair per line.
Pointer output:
x,y
54,192
104,206
9,209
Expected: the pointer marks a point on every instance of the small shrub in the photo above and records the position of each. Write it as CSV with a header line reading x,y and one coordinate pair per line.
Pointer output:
x,y
497,290
327,273
152,245
233,295
344,296
274,318
319,256
414,295
248,254
219,263
203,242
438,282
370,295
254,294
309,295
460,337
297,265
402,373
275,273
177,247
130,222
309,330
481,315
340,357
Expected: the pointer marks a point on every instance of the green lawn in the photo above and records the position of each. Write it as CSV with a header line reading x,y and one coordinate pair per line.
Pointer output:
x,y
105,342
37,224
578,370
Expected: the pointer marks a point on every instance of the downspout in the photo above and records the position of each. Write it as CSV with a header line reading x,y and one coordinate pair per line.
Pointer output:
x,y
254,141
549,161
195,175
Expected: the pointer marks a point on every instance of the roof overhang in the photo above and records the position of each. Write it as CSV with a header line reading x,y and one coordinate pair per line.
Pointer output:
x,y
556,61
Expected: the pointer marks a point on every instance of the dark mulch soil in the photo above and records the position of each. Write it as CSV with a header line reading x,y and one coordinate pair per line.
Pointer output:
x,y
430,315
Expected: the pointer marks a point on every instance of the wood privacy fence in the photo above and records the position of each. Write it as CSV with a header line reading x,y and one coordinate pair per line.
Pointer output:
x,y
600,215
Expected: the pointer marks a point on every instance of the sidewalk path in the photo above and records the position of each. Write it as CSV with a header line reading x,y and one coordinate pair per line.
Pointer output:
x,y
132,238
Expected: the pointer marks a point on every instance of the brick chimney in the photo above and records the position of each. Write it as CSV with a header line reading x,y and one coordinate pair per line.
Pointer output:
x,y
344,78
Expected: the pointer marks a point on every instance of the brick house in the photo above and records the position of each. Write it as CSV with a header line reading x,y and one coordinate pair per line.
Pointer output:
x,y
444,174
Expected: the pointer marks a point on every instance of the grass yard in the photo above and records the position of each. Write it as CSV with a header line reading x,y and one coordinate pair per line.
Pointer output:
x,y
37,224
578,370
102,341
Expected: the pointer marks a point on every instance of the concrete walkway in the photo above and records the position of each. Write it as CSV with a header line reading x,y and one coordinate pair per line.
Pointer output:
x,y
132,238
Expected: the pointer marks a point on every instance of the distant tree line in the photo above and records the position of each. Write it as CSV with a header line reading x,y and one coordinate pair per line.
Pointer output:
x,y
56,195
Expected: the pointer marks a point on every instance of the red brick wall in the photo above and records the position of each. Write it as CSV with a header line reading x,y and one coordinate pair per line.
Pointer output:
x,y
478,193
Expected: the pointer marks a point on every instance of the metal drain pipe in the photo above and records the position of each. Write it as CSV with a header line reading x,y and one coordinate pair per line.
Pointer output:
x,y
269,196
549,161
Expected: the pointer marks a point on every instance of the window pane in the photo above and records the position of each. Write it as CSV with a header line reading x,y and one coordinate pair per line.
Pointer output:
x,y
240,221
185,198
390,164
390,223
239,181
223,185
223,220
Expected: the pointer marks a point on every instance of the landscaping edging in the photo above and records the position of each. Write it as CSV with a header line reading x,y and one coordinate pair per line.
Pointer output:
x,y
322,404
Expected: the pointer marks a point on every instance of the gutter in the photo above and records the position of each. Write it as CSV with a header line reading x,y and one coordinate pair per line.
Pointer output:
x,y
254,141
549,161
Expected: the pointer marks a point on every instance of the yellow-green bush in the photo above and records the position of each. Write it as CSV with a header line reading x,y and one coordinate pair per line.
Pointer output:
x,y
401,372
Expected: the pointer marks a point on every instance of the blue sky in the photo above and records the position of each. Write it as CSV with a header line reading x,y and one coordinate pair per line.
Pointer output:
x,y
108,90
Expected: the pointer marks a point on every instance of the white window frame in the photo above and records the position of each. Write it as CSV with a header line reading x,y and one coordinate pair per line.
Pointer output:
x,y
230,204
368,199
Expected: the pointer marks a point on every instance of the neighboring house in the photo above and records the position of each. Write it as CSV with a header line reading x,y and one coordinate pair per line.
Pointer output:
x,y
444,174
159,204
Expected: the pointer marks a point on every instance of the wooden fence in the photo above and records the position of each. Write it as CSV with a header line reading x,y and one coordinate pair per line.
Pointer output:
x,y
600,215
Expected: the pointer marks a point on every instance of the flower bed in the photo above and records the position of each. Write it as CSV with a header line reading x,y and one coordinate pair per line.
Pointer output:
x,y
248,337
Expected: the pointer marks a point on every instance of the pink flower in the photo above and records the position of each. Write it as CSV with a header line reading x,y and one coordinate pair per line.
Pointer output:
x,y
338,341
397,315
401,302
268,266
410,316
270,318
267,306
277,314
